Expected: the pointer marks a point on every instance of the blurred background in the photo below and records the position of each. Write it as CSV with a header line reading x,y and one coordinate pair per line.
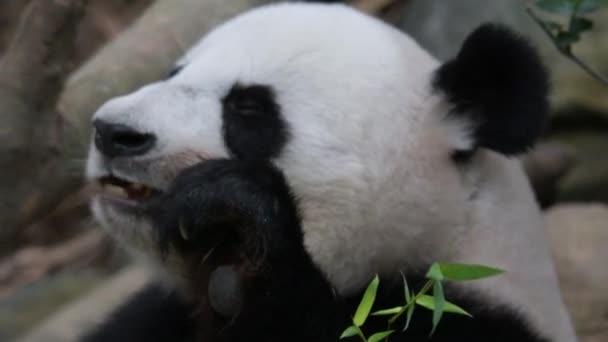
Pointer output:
x,y
60,59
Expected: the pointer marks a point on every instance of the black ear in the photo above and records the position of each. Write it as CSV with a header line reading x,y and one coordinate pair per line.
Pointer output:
x,y
498,83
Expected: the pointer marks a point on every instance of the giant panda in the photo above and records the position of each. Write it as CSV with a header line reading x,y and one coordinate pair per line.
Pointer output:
x,y
300,149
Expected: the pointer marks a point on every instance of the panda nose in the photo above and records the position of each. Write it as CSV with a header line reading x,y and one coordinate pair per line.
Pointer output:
x,y
116,140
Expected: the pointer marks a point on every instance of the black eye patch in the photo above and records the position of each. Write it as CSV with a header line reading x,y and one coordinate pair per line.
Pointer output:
x,y
252,124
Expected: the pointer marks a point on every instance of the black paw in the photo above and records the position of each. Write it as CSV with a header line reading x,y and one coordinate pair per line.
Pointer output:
x,y
216,203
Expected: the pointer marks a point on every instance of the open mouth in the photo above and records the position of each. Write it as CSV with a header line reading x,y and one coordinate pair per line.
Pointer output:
x,y
121,189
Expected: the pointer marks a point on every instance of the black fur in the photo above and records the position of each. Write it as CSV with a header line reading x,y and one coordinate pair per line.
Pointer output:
x,y
151,315
246,208
252,123
233,197
137,323
497,81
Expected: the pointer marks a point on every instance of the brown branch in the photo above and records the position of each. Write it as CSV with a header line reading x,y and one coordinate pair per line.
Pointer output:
x,y
32,263
567,53
595,74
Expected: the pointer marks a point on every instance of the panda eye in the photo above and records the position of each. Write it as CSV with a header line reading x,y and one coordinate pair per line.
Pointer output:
x,y
249,101
249,108
176,70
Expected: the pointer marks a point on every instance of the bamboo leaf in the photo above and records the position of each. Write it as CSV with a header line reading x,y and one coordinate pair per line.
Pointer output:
x,y
580,25
565,39
350,331
568,7
409,315
385,312
428,302
406,289
408,299
461,272
439,300
435,272
377,337
367,302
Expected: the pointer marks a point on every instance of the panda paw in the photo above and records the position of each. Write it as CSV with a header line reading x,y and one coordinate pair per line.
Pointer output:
x,y
246,205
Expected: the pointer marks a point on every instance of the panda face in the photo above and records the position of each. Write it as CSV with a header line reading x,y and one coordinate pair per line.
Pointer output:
x,y
343,107
362,122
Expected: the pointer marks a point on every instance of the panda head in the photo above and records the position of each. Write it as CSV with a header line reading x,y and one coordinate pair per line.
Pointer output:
x,y
377,140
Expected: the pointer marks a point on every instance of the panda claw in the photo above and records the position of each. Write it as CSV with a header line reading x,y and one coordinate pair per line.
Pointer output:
x,y
183,231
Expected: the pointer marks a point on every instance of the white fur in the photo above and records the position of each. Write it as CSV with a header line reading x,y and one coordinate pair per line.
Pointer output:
x,y
369,154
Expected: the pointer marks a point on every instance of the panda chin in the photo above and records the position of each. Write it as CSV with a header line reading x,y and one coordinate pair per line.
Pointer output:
x,y
126,224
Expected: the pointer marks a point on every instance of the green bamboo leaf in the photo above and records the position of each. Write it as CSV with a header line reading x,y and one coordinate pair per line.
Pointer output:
x,y
567,7
467,271
406,289
591,5
435,272
428,302
439,300
350,331
367,302
580,25
408,299
385,312
377,337
563,7
409,314
564,40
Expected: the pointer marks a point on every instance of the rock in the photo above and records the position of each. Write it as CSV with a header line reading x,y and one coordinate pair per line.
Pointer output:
x,y
579,238
588,179
23,309
545,166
